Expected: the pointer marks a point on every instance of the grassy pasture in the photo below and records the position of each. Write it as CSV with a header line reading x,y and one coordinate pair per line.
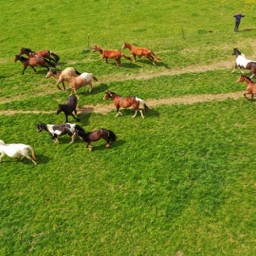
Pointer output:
x,y
180,182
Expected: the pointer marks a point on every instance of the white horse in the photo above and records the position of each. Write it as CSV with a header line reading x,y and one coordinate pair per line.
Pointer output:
x,y
15,150
242,62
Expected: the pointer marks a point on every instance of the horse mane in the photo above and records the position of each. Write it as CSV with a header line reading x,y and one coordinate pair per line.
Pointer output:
x,y
247,78
21,57
27,49
115,94
236,49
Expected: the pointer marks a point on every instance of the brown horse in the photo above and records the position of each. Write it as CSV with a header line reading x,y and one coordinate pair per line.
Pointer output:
x,y
121,102
242,62
78,82
37,61
251,86
111,54
56,74
141,52
43,53
90,137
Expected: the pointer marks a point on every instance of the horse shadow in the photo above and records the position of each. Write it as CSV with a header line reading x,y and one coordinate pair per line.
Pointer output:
x,y
159,64
129,65
99,88
102,146
41,159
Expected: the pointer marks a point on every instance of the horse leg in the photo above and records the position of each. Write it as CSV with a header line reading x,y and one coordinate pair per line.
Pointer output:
x,y
118,112
148,56
75,118
76,94
24,70
2,155
106,59
247,93
33,68
90,86
242,71
64,86
90,147
66,118
28,157
134,55
141,58
234,69
141,112
118,61
136,111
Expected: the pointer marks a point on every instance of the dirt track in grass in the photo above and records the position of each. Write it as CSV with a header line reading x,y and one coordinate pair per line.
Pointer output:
x,y
104,109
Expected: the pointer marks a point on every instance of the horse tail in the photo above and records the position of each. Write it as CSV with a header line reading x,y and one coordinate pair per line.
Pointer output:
x,y
128,58
32,152
79,128
94,77
157,59
111,136
78,73
144,104
52,64
56,57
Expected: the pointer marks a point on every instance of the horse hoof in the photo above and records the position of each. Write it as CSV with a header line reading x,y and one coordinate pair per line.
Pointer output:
x,y
107,146
90,148
78,120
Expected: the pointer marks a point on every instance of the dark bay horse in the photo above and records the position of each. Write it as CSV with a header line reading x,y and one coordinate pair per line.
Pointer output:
x,y
56,74
37,61
121,102
43,53
78,82
135,51
90,137
59,130
242,62
69,107
111,54
251,86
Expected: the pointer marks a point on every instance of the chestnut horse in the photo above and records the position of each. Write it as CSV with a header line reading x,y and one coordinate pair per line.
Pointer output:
x,y
78,82
43,53
111,54
56,74
90,137
251,86
37,61
121,102
141,52
242,62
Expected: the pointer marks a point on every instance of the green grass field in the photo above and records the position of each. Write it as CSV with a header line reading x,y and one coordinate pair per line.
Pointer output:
x,y
180,182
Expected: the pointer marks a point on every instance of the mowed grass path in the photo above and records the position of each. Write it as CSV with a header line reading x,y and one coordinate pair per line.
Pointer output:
x,y
180,181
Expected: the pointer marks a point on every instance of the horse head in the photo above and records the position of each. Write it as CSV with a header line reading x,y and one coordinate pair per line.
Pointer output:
x,y
125,46
39,127
60,109
49,74
96,48
107,95
17,57
236,52
241,79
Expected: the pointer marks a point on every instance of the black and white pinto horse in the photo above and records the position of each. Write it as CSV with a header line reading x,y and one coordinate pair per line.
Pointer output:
x,y
59,130
69,107
242,62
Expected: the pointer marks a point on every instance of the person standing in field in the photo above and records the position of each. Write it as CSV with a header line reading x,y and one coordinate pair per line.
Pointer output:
x,y
238,17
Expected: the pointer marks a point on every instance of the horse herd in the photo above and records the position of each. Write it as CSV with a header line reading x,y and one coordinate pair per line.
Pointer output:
x,y
76,80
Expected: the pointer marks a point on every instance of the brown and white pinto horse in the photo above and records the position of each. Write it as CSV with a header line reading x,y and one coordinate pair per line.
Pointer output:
x,y
251,86
37,61
121,102
111,54
43,53
242,62
78,82
135,51
56,74
90,137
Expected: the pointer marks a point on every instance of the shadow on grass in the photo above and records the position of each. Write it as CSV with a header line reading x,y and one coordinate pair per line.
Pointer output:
x,y
102,147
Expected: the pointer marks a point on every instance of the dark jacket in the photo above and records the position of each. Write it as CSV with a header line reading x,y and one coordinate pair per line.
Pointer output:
x,y
238,17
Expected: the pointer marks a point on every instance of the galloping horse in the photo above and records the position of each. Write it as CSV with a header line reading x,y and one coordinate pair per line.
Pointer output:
x,y
111,54
78,82
141,52
90,137
37,61
59,130
251,86
15,150
69,107
43,53
242,62
56,74
126,103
